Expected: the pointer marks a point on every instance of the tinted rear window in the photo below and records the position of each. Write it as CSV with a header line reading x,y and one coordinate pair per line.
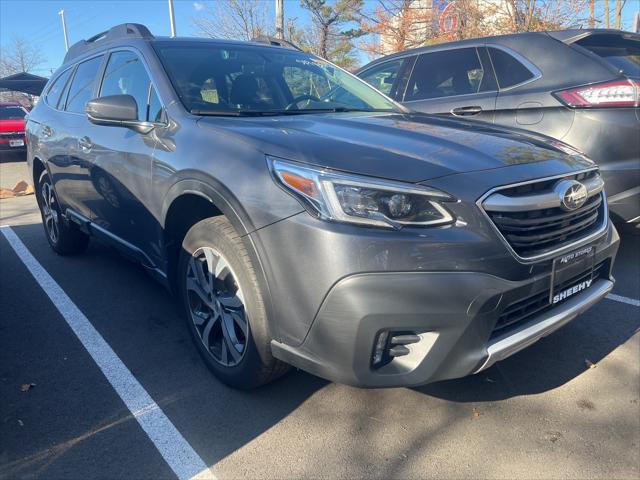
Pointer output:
x,y
11,112
508,69
622,53
446,73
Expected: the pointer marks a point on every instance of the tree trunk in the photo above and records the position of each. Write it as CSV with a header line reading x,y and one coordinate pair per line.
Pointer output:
x,y
606,13
592,16
324,38
618,14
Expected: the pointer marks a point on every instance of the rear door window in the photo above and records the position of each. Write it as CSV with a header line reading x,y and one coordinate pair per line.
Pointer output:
x,y
55,92
509,70
125,75
623,53
82,85
445,74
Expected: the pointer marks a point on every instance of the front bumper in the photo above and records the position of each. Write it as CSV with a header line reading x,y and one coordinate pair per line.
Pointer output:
x,y
453,313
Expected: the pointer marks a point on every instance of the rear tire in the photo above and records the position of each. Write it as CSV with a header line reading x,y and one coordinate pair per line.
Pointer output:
x,y
64,237
223,306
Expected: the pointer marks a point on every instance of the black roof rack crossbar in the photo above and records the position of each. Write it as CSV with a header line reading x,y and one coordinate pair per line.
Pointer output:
x,y
276,42
125,30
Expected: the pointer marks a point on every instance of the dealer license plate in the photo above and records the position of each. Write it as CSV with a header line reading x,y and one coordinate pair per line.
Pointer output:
x,y
569,266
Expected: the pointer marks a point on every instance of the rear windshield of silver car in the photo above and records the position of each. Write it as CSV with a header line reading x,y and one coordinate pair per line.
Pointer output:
x,y
623,52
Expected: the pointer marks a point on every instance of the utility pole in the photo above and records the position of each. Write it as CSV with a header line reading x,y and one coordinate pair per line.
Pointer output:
x,y
172,19
280,19
64,30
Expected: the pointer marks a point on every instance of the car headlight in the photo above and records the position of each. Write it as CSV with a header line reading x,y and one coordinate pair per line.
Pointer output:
x,y
348,198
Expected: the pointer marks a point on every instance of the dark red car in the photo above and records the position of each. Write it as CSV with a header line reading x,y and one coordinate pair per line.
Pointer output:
x,y
12,127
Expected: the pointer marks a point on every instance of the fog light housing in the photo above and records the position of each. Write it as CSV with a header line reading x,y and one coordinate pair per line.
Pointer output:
x,y
379,349
389,345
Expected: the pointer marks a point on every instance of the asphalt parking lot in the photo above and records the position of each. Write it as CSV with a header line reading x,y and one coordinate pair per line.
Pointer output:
x,y
567,407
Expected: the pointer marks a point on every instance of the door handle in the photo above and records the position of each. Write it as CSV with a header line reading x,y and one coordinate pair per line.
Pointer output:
x,y
467,111
85,144
46,131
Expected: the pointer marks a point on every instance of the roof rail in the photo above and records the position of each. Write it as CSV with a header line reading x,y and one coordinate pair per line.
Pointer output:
x,y
125,30
276,42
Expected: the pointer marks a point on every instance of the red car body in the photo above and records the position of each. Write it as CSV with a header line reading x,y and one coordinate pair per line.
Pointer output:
x,y
12,124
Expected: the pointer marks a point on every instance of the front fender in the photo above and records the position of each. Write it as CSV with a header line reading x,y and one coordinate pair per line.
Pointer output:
x,y
214,192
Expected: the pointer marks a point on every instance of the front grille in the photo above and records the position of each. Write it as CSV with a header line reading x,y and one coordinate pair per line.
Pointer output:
x,y
524,310
536,231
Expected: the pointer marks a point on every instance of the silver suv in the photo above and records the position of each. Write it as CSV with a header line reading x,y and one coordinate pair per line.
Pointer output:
x,y
303,218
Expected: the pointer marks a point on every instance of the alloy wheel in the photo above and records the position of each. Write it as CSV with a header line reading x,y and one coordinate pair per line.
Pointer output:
x,y
50,211
216,306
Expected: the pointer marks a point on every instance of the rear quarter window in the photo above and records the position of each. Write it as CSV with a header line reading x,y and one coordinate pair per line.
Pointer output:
x,y
509,70
623,53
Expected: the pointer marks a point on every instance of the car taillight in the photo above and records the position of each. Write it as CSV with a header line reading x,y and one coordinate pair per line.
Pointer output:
x,y
620,93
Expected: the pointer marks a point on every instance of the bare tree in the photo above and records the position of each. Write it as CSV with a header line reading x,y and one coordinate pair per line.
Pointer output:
x,y
536,15
20,56
395,25
235,19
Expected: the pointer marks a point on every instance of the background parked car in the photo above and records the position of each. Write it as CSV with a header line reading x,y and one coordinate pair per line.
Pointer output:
x,y
12,127
579,86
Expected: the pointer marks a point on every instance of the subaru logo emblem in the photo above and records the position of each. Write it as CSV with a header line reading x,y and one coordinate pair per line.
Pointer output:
x,y
572,194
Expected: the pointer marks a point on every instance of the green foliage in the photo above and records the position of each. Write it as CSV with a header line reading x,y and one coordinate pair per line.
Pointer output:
x,y
330,37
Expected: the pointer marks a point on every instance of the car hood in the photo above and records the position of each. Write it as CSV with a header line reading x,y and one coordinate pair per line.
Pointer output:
x,y
12,125
404,147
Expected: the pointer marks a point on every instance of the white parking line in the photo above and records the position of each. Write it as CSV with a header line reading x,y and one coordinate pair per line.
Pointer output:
x,y
176,451
627,300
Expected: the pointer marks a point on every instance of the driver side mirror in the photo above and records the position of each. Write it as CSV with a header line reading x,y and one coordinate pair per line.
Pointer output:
x,y
116,110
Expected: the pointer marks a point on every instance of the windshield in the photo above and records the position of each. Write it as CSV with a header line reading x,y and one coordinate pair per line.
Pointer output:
x,y
234,80
11,112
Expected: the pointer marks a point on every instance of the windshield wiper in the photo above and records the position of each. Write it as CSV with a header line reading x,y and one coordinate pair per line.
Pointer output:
x,y
260,113
303,111
225,113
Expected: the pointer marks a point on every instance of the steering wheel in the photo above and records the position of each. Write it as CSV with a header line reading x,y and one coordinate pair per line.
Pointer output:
x,y
301,98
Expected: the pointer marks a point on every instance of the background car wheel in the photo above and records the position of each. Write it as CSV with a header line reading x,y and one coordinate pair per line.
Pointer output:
x,y
224,307
64,237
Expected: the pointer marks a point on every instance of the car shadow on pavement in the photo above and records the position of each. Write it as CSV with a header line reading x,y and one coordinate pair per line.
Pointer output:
x,y
142,323
11,157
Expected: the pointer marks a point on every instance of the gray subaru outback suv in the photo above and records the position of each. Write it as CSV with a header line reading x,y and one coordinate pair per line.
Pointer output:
x,y
303,218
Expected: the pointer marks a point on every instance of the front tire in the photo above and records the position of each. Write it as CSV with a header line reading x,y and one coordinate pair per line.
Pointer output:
x,y
223,306
64,237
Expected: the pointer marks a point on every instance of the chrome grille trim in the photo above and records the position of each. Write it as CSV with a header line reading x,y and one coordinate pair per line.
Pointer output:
x,y
597,189
501,203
